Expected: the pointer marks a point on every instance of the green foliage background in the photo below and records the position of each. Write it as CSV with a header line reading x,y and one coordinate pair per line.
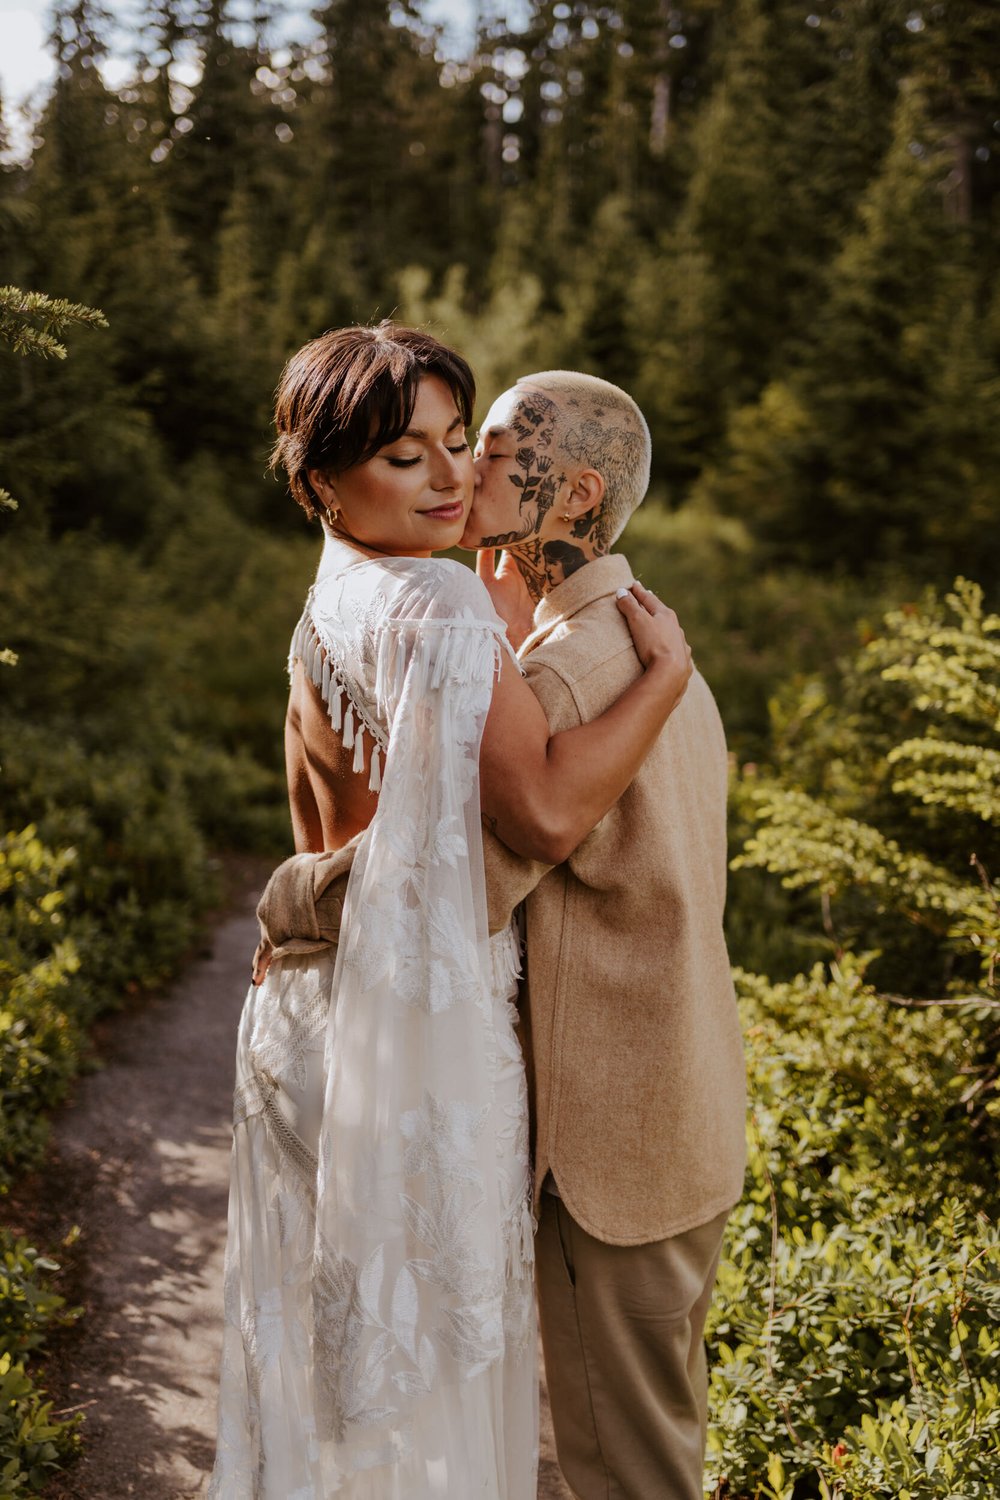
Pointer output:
x,y
778,227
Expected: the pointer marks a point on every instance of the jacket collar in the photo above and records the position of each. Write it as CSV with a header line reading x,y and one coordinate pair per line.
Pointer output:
x,y
605,575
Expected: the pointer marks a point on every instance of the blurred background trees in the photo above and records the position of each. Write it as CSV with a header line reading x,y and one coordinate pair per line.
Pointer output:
x,y
778,225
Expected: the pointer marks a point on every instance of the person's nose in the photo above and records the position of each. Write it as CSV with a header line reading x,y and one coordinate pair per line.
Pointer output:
x,y
449,470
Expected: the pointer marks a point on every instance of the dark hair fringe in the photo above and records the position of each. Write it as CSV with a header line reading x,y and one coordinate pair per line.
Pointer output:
x,y
348,393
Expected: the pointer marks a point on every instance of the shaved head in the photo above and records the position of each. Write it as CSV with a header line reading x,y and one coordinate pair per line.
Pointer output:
x,y
562,461
595,425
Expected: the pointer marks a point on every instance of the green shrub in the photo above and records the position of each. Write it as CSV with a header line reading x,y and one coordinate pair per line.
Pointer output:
x,y
856,1323
885,800
40,1036
855,1327
751,626
33,1443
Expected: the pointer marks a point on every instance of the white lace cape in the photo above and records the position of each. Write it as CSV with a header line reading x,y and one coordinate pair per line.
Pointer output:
x,y
411,1255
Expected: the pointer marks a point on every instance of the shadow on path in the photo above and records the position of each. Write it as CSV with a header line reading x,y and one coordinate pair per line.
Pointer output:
x,y
140,1161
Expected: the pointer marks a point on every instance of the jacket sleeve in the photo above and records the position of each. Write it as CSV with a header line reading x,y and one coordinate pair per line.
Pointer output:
x,y
509,877
303,901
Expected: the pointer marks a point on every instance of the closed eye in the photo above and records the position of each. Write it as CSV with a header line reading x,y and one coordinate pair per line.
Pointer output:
x,y
462,448
404,463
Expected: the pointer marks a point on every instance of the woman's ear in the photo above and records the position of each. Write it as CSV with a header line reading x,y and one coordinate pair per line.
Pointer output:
x,y
324,489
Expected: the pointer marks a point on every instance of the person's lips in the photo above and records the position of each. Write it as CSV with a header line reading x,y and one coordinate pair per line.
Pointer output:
x,y
450,512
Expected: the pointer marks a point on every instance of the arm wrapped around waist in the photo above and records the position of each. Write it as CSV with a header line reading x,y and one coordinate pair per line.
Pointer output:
x,y
303,902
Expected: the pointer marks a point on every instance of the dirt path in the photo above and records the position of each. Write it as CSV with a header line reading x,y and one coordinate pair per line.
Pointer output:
x,y
140,1162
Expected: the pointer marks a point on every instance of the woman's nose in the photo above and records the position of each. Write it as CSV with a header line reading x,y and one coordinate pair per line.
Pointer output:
x,y
449,471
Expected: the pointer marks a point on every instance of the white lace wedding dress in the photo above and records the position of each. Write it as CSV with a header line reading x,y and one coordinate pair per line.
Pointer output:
x,y
379,1318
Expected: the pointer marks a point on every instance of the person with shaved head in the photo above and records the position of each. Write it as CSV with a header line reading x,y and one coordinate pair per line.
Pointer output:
x,y
634,1053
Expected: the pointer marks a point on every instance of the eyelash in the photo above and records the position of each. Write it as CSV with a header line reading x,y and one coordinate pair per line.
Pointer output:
x,y
407,463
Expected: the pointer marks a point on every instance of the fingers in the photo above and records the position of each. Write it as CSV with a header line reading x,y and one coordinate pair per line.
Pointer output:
x,y
486,564
650,602
507,568
645,599
261,961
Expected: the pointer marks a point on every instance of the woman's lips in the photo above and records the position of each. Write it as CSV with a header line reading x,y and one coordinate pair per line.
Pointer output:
x,y
452,512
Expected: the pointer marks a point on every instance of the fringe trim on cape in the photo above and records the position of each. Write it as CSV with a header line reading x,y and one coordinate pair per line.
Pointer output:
x,y
334,688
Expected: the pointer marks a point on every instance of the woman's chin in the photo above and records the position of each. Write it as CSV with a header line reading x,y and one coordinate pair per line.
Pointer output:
x,y
470,539
446,534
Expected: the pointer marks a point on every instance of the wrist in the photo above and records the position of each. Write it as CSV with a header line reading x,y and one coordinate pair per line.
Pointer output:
x,y
663,663
667,672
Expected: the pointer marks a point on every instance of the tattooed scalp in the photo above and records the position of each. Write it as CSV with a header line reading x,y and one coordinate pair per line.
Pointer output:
x,y
591,422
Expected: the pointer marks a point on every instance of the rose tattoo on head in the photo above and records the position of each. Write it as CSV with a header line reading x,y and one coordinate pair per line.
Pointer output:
x,y
545,433
533,421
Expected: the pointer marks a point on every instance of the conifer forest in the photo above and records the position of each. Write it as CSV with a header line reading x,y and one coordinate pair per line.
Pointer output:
x,y
777,224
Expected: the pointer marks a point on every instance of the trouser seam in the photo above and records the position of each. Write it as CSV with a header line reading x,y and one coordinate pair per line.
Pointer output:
x,y
586,1361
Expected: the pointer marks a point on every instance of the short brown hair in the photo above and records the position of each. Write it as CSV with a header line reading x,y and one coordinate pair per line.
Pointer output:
x,y
351,391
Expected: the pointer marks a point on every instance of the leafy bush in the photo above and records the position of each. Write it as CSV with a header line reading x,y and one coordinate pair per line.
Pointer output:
x,y
32,1442
39,1034
856,1323
886,798
751,626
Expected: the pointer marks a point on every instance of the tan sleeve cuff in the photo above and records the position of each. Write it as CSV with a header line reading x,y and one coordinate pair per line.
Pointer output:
x,y
302,903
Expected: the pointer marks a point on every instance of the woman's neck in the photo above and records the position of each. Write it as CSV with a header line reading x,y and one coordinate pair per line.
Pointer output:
x,y
339,549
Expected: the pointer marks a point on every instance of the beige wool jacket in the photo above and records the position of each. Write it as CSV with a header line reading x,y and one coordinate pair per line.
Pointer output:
x,y
635,1056
631,1033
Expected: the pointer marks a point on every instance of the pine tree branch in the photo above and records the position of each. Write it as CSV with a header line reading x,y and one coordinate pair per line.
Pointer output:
x,y
21,311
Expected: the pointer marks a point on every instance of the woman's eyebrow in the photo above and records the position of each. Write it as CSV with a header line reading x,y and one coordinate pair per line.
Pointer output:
x,y
420,435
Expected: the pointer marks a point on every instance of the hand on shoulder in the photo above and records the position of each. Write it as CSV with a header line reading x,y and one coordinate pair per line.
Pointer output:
x,y
659,641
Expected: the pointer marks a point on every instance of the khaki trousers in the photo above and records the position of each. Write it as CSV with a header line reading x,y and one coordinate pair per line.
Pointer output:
x,y
624,1356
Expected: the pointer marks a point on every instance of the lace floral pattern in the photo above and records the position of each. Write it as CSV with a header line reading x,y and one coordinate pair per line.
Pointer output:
x,y
379,1289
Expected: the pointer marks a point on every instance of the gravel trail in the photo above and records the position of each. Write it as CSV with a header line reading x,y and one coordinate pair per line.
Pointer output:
x,y
139,1161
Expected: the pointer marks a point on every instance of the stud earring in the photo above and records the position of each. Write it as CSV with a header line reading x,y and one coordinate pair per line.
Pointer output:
x,y
566,518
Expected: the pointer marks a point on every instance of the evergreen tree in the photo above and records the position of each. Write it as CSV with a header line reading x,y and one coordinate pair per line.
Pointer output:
x,y
682,367
371,157
846,459
228,138
596,294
